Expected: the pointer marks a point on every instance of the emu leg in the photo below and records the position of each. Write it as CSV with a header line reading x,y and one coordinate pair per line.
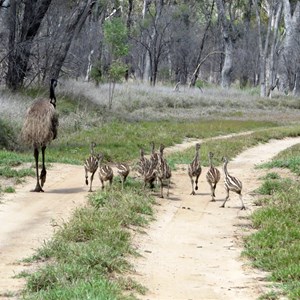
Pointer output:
x,y
161,188
86,176
193,191
196,181
92,177
223,205
43,172
38,187
212,193
243,206
168,187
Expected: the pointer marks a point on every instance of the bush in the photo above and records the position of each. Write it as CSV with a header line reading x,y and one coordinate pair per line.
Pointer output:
x,y
7,136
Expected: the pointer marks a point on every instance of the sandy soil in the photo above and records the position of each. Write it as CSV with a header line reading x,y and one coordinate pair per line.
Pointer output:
x,y
191,251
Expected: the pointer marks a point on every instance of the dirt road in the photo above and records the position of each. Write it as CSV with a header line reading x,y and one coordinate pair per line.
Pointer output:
x,y
191,251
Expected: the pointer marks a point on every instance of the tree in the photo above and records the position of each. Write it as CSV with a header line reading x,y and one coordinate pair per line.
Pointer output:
x,y
267,46
154,37
289,70
115,36
72,27
209,14
227,32
24,22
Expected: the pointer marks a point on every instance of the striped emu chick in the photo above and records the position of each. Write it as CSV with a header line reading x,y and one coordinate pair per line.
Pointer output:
x,y
146,169
154,155
150,173
123,171
105,172
232,184
39,129
194,169
91,166
163,171
213,176
143,163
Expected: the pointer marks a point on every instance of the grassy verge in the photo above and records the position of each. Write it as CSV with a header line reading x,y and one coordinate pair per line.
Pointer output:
x,y
233,146
86,256
121,141
275,246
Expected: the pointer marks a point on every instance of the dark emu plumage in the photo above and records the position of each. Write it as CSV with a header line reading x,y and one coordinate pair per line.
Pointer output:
x,y
39,129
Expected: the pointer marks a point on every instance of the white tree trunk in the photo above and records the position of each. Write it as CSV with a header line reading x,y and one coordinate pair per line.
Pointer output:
x,y
289,58
228,45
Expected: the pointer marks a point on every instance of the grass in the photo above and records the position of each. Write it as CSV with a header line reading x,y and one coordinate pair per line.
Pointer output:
x,y
275,245
86,255
231,147
289,159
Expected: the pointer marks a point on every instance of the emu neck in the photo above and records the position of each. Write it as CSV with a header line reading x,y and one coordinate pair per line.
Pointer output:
x,y
225,168
52,96
92,150
210,162
196,156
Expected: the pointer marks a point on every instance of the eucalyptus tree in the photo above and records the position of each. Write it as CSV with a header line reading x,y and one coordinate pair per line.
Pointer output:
x,y
268,42
289,63
227,32
70,28
153,34
24,21
208,15
115,36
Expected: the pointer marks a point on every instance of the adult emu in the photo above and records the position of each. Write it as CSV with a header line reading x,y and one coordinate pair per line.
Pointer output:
x,y
39,129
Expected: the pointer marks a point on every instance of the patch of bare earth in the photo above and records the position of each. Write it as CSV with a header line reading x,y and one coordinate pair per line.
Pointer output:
x,y
191,251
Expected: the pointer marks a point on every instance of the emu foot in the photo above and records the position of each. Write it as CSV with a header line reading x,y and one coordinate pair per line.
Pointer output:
x,y
43,177
37,189
243,207
193,193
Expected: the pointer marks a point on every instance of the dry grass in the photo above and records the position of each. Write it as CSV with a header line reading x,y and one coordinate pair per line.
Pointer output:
x,y
13,106
134,101
138,101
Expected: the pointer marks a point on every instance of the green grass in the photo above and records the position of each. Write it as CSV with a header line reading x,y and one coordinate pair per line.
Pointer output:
x,y
121,141
289,159
275,246
233,146
86,255
9,189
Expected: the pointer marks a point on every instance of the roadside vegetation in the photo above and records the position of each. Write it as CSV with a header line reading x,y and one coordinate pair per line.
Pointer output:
x,y
87,257
275,244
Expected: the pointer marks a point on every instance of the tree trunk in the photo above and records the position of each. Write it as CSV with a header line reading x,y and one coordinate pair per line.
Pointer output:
x,y
228,45
73,27
197,69
289,57
273,81
263,50
21,41
296,90
147,68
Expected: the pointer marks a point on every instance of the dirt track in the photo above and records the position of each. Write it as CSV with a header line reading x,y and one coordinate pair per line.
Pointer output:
x,y
192,251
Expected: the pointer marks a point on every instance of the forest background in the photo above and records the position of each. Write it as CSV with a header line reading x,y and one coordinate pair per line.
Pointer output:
x,y
249,43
